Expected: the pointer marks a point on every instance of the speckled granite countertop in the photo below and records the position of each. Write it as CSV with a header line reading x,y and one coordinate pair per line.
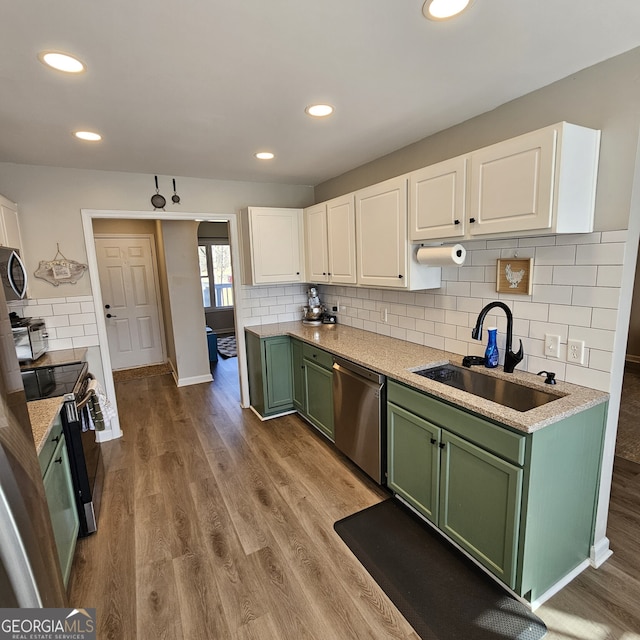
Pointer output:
x,y
42,413
396,358
56,359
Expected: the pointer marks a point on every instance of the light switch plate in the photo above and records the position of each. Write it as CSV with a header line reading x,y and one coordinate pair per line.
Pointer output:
x,y
575,351
551,345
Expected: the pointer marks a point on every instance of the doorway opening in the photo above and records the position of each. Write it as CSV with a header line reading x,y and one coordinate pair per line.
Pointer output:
x,y
91,216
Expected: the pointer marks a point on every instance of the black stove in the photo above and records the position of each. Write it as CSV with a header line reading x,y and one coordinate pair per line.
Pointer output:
x,y
51,382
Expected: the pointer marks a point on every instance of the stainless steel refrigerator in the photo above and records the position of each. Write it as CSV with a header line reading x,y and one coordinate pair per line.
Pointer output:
x,y
30,574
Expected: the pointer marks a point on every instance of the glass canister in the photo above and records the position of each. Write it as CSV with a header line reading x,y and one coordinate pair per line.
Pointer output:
x,y
491,353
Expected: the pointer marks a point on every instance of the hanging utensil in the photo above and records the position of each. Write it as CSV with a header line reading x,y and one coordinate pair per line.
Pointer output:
x,y
157,200
175,198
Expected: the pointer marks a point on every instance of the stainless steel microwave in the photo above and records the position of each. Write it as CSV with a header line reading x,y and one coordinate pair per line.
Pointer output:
x,y
13,274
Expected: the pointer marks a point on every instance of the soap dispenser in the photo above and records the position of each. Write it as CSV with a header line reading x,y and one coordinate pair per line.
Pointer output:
x,y
491,352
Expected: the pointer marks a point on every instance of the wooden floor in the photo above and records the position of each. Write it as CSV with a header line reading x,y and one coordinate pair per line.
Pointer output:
x,y
215,525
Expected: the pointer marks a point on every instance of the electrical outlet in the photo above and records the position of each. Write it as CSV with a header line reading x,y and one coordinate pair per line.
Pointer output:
x,y
575,351
551,346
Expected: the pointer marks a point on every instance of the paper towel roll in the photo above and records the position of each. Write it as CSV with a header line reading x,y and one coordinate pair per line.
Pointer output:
x,y
442,256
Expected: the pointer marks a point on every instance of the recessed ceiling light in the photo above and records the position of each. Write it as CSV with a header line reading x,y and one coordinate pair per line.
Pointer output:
x,y
61,61
319,110
91,136
265,155
444,9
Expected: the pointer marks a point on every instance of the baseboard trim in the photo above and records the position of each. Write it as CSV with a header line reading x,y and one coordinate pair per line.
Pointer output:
x,y
185,382
600,552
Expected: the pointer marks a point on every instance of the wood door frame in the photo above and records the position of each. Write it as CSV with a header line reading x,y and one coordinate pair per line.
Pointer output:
x,y
87,216
156,275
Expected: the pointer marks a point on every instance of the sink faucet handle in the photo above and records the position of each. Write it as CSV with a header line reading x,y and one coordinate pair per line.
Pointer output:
x,y
551,376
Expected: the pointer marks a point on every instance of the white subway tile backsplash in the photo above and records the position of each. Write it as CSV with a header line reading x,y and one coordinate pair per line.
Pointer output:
x,y
566,314
85,341
539,329
575,275
66,308
579,238
614,236
555,255
82,318
604,297
471,274
588,377
600,360
543,275
459,289
611,253
502,243
593,338
80,299
552,294
604,319
537,241
483,257
609,276
69,332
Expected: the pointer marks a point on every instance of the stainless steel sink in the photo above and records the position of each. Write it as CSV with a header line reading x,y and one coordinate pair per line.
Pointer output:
x,y
504,392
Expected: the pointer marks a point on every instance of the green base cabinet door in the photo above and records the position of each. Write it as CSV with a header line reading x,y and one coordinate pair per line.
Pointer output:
x,y
319,397
270,374
299,383
62,506
413,460
480,497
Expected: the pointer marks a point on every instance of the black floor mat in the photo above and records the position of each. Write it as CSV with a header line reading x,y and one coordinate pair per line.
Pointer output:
x,y
441,593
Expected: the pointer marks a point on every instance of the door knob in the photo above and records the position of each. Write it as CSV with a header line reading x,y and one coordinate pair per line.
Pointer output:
x,y
111,316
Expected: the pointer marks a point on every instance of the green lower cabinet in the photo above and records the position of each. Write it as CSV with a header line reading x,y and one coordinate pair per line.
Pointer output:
x,y
480,497
58,488
270,374
413,462
523,505
313,385
299,401
319,397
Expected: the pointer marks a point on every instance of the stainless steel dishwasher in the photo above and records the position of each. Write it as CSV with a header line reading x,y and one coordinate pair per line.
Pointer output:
x,y
359,416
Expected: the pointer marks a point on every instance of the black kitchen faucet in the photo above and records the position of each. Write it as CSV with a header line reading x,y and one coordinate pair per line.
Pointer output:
x,y
510,359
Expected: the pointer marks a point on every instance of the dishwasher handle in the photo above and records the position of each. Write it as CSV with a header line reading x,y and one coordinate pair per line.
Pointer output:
x,y
353,370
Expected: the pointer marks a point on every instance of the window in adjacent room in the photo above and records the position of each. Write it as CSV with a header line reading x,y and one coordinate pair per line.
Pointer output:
x,y
216,276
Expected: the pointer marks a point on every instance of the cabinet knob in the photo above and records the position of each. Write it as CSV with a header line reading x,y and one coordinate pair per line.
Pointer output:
x,y
433,441
329,273
472,219
297,273
56,439
324,273
400,276
441,445
58,460
456,222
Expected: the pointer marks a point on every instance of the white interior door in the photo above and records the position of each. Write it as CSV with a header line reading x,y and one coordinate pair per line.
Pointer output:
x,y
129,285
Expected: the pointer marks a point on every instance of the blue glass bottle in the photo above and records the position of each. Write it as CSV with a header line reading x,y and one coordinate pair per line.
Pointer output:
x,y
491,352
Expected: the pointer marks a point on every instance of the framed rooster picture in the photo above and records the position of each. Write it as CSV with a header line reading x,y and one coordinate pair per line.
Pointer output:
x,y
514,275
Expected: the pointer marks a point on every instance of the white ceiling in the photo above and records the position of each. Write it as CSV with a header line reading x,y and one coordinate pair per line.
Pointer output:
x,y
195,87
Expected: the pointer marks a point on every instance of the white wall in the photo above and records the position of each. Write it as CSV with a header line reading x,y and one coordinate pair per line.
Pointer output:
x,y
50,200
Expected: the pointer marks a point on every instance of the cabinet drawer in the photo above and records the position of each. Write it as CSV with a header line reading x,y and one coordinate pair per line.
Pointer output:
x,y
320,357
507,444
48,448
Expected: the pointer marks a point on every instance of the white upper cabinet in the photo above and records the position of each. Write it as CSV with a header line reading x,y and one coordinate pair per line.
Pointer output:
x,y
437,200
384,255
543,181
381,234
330,229
341,231
9,227
316,247
272,245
